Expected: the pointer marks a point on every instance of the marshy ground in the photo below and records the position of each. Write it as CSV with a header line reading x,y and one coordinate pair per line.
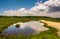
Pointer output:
x,y
6,21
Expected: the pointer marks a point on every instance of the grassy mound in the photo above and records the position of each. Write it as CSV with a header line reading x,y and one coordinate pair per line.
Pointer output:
x,y
17,25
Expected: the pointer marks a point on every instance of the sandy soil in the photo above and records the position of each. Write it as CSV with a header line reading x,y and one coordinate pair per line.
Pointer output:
x,y
53,24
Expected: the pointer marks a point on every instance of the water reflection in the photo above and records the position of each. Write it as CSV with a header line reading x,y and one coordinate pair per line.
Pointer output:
x,y
26,28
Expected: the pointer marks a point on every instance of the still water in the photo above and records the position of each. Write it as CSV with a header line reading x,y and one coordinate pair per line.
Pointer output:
x,y
26,28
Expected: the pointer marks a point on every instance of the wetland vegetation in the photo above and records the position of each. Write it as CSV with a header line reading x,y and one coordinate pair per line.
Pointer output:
x,y
6,21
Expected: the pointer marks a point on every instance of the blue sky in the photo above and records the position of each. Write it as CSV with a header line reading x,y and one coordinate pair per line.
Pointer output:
x,y
16,4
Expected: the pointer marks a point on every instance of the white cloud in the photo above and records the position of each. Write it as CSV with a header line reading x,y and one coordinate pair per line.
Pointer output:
x,y
49,8
22,9
53,3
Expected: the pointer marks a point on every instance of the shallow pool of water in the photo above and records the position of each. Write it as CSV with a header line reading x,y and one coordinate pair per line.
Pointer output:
x,y
26,28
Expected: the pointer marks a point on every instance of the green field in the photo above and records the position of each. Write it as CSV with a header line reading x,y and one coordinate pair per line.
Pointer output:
x,y
5,21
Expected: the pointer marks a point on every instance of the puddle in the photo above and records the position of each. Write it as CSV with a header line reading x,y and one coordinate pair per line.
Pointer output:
x,y
26,28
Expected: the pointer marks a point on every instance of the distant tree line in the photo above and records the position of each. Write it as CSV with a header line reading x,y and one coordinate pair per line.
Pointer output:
x,y
26,16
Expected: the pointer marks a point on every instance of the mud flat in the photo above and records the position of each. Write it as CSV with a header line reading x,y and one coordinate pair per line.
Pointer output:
x,y
53,24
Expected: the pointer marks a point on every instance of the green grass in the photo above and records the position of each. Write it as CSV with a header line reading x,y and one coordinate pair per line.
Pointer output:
x,y
6,21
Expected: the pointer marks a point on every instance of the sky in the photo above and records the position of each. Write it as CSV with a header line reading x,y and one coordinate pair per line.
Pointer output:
x,y
50,8
16,4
